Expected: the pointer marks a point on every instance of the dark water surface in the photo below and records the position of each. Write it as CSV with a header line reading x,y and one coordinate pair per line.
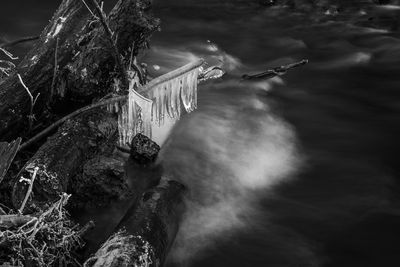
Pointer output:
x,y
298,171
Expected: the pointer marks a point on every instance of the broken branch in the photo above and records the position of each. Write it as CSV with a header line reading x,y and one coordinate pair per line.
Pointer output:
x,y
28,193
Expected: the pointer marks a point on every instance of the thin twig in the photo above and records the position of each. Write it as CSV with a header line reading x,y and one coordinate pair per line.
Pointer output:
x,y
86,228
26,88
89,9
117,56
31,117
69,116
21,40
53,82
8,54
28,193
9,63
10,67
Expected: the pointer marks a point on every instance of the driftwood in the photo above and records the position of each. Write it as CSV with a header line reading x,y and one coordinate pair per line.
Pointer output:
x,y
63,156
86,66
146,233
7,154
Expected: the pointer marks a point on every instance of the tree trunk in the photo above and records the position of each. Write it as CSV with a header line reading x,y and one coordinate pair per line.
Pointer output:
x,y
147,232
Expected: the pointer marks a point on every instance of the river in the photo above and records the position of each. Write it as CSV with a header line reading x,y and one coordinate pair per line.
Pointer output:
x,y
300,170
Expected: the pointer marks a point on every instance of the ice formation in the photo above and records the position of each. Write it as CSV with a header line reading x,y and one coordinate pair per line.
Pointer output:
x,y
139,113
167,96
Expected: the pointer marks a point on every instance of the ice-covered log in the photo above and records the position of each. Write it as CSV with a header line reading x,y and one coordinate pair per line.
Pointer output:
x,y
161,97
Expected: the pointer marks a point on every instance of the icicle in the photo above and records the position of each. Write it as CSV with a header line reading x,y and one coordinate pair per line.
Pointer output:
x,y
123,128
195,81
164,100
139,107
189,91
168,96
116,106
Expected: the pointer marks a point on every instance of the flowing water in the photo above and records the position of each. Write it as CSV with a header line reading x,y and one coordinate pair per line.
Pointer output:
x,y
300,170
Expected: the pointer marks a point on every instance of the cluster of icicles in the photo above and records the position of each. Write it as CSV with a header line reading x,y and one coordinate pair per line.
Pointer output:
x,y
164,99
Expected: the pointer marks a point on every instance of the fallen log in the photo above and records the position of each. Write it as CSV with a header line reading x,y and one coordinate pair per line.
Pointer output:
x,y
37,67
145,235
110,184
63,156
93,71
108,177
85,66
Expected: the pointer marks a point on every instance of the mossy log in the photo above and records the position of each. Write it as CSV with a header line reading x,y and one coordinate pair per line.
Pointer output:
x,y
146,233
85,65
63,156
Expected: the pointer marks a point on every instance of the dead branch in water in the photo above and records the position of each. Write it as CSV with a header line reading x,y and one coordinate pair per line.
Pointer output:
x,y
274,72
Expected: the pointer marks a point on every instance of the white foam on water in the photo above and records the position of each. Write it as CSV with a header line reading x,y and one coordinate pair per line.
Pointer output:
x,y
228,159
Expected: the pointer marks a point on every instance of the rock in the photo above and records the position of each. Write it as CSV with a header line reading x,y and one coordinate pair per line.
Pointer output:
x,y
143,151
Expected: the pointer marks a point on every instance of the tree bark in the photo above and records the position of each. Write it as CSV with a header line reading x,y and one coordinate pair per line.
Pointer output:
x,y
63,156
86,66
37,67
93,71
145,235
